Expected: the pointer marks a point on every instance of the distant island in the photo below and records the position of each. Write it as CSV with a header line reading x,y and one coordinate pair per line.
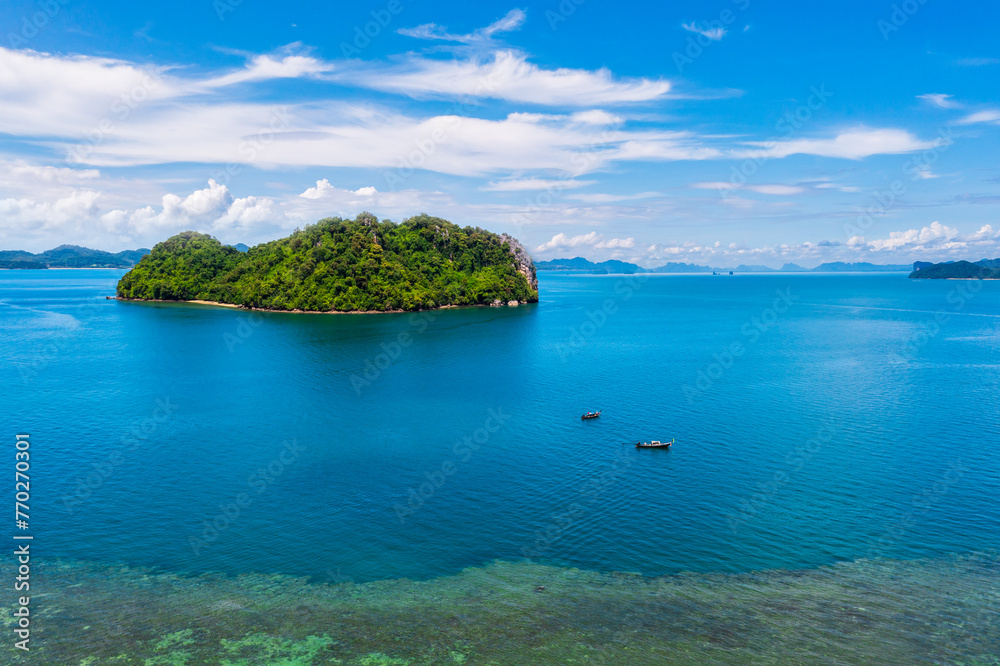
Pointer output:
x,y
984,269
71,256
337,265
581,265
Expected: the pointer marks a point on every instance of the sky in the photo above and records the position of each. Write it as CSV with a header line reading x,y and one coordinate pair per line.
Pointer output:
x,y
720,133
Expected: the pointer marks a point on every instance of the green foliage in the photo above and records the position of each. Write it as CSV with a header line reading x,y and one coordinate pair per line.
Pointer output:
x,y
336,264
70,256
956,270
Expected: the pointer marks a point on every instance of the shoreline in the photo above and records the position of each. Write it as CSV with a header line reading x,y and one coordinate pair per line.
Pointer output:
x,y
312,312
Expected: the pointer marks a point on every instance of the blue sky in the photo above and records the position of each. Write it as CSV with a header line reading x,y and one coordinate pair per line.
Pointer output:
x,y
721,133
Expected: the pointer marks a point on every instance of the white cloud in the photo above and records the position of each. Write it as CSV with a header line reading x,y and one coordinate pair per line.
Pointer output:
x,y
520,184
562,241
977,62
773,189
987,116
940,101
853,144
713,33
593,240
512,21
506,75
264,67
615,243
779,190
596,117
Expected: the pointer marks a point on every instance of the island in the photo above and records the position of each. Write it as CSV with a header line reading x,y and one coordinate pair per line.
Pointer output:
x,y
70,256
985,269
338,265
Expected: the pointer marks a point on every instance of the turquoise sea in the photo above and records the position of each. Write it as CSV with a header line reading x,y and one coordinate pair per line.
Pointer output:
x,y
828,428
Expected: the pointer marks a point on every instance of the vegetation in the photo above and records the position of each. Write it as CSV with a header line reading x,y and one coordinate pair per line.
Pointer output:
x,y
955,270
341,265
70,256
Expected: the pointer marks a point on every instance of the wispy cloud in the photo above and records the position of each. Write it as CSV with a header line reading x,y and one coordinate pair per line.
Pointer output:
x,y
853,144
940,101
977,62
512,21
506,75
715,34
521,184
772,189
985,116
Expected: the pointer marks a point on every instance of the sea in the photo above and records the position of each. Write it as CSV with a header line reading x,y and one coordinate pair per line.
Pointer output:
x,y
830,495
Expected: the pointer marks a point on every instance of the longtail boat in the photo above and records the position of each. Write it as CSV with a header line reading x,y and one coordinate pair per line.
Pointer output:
x,y
655,444
590,415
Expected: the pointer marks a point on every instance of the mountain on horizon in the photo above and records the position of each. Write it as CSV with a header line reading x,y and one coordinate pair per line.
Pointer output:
x,y
71,256
581,265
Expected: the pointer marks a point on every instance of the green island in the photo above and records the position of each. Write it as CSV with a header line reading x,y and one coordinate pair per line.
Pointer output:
x,y
958,270
70,256
337,265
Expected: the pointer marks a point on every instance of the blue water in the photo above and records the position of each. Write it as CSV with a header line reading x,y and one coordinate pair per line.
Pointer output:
x,y
853,423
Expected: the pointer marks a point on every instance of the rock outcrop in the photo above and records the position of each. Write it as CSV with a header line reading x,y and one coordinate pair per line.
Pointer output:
x,y
522,260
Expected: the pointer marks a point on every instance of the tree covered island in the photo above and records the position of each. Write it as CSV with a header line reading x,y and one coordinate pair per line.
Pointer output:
x,y
339,265
985,269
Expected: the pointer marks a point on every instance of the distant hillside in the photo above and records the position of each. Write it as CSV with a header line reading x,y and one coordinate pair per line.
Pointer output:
x,y
71,256
860,267
681,267
581,265
954,270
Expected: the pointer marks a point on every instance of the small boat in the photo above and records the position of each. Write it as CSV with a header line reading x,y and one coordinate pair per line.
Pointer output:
x,y
655,444
590,415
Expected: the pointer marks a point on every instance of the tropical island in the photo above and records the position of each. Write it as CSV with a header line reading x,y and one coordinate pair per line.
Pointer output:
x,y
985,269
338,265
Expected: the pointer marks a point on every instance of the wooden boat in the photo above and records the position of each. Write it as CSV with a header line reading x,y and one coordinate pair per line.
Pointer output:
x,y
590,415
655,444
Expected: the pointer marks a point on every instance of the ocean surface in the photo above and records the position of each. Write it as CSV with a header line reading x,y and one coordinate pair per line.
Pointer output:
x,y
818,419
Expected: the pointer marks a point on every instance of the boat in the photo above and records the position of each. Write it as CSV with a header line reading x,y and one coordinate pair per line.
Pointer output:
x,y
655,444
590,415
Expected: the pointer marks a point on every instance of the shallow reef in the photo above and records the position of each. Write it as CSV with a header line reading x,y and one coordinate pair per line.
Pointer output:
x,y
870,611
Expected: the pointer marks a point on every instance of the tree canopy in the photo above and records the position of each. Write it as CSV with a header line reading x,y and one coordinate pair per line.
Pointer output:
x,y
339,265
